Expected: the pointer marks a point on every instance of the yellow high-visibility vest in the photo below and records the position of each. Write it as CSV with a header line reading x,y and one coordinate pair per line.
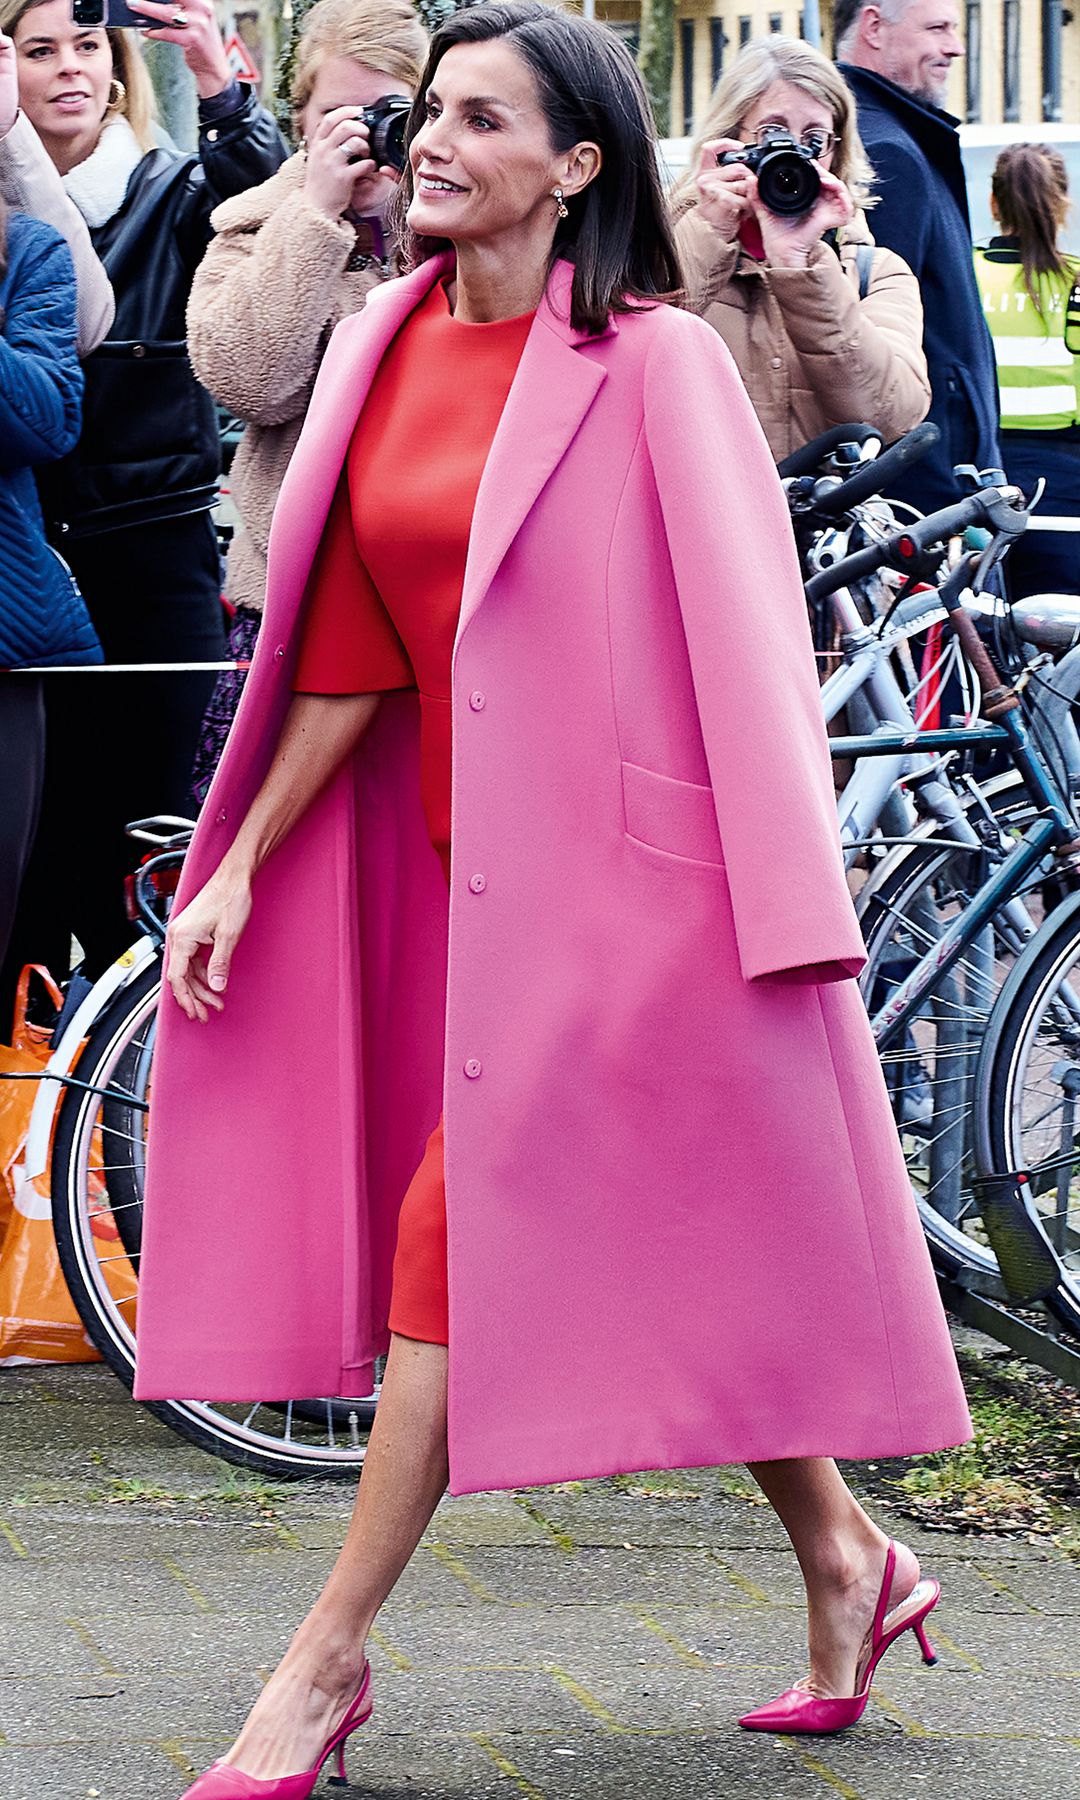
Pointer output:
x,y
1038,374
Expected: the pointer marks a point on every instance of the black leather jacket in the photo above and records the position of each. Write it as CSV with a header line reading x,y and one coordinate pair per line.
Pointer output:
x,y
149,447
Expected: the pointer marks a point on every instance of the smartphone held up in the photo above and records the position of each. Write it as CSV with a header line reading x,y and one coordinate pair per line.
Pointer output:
x,y
115,13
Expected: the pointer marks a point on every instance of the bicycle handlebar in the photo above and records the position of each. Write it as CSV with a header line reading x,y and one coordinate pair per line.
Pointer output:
x,y
872,477
903,550
806,460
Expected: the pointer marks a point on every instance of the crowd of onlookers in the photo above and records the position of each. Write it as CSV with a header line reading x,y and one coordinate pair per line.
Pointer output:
x,y
143,287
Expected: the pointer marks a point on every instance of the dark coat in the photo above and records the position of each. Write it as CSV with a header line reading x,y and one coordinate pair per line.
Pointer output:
x,y
149,448
922,214
41,617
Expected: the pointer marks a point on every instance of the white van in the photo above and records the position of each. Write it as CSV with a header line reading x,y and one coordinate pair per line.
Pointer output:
x,y
979,145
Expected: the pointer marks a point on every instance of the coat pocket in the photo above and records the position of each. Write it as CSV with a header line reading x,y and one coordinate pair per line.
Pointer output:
x,y
676,817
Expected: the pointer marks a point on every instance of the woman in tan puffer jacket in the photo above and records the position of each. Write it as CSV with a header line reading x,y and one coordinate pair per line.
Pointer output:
x,y
825,328
290,259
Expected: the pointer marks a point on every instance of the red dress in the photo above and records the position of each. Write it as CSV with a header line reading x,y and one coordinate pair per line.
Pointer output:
x,y
404,506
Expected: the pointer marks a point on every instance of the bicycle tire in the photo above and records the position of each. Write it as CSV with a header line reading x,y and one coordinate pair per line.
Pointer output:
x,y
1005,1074
82,1112
903,898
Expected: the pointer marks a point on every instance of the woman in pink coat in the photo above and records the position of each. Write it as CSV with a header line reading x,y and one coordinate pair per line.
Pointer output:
x,y
678,1226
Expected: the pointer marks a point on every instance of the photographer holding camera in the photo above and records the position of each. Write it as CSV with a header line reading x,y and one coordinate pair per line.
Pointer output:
x,y
824,326
290,260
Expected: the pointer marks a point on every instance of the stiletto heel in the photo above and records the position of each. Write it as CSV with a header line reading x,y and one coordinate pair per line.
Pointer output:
x,y
929,1654
799,1711
221,1781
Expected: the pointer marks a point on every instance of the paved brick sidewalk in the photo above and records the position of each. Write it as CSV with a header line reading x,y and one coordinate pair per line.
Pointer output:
x,y
595,1641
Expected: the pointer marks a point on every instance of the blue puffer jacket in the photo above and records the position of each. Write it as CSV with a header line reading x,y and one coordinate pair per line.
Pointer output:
x,y
42,615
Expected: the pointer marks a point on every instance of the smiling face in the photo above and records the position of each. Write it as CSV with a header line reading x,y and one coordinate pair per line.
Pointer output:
x,y
483,163
918,49
790,109
344,81
64,77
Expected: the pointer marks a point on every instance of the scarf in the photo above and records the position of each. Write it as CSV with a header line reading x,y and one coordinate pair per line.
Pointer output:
x,y
99,183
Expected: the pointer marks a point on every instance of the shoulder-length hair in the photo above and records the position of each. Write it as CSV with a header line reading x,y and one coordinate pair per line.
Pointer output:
x,y
1030,185
751,75
385,35
617,235
136,102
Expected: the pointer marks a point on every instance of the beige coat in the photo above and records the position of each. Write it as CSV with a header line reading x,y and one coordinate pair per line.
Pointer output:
x,y
29,182
270,289
812,354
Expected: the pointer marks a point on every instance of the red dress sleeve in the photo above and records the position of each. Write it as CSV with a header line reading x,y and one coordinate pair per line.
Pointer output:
x,y
349,644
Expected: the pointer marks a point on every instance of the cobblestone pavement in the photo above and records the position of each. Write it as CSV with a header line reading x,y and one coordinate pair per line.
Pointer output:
x,y
597,1640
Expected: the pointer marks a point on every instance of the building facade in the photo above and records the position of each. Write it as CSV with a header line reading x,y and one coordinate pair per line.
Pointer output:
x,y
1022,62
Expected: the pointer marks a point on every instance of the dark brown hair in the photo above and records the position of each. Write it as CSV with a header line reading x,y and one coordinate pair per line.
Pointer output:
x,y
618,235
1030,185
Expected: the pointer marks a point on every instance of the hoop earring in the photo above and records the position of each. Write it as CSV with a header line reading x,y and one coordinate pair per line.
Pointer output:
x,y
562,211
116,100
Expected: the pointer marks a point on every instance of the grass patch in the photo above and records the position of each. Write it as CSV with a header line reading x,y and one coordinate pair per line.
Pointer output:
x,y
1021,1473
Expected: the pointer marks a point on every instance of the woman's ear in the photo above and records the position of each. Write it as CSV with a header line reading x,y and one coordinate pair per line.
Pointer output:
x,y
581,165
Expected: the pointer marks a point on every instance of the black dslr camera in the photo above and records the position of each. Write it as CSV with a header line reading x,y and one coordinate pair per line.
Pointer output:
x,y
787,179
386,122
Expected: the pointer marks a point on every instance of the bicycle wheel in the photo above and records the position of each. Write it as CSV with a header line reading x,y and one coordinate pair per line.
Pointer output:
x,y
930,1070
1027,1088
98,1170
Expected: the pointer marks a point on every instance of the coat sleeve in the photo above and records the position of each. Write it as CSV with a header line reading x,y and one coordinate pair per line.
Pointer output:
x,y
29,181
863,358
751,656
259,305
41,382
238,152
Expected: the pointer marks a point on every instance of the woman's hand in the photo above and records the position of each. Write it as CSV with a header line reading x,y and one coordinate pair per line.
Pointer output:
x,y
200,943
788,242
9,85
340,169
192,25
723,194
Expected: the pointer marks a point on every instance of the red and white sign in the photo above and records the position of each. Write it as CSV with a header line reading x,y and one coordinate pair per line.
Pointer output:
x,y
239,59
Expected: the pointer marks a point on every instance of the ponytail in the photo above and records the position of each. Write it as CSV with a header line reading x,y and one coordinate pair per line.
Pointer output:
x,y
1030,185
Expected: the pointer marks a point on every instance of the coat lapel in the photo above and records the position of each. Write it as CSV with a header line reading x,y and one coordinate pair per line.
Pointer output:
x,y
552,391
355,351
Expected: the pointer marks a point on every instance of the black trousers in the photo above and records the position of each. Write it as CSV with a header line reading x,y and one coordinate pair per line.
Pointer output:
x,y
22,772
118,746
1045,562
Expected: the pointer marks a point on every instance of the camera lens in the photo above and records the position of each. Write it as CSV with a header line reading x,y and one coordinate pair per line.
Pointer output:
x,y
788,183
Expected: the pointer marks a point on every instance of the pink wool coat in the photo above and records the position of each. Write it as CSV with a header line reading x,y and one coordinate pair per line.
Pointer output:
x,y
680,1228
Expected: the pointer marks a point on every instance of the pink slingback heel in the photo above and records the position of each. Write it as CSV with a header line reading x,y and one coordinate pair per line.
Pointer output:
x,y
223,1782
799,1711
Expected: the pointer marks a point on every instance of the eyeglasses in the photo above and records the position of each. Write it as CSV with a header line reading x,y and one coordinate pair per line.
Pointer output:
x,y
817,140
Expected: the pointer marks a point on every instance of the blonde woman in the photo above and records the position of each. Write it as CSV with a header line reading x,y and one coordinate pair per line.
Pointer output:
x,y
130,505
290,259
824,326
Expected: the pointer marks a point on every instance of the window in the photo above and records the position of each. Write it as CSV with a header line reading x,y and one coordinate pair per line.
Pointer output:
x,y
973,62
1051,58
718,43
686,40
744,31
1012,60
776,23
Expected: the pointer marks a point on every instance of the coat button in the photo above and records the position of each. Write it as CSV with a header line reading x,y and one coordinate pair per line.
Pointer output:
x,y
473,1068
776,362
477,884
212,135
477,700
222,816
138,350
280,652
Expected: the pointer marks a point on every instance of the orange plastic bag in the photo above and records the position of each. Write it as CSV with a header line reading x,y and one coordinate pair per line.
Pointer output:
x,y
27,1054
38,1320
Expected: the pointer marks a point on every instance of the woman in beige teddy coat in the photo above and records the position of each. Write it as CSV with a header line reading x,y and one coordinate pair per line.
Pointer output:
x,y
290,260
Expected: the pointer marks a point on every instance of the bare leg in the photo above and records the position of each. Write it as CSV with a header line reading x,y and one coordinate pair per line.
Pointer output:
x,y
841,1554
404,1476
